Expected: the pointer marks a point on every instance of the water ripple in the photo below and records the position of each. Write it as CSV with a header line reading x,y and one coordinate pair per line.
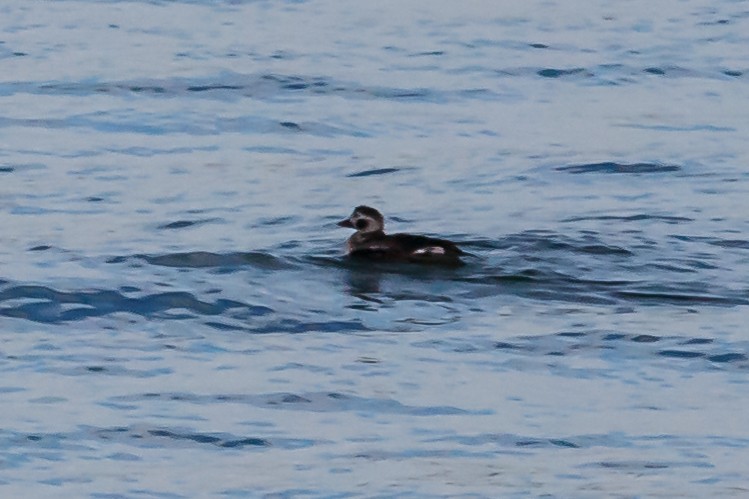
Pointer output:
x,y
144,436
203,259
612,167
616,347
312,402
47,305
369,173
233,86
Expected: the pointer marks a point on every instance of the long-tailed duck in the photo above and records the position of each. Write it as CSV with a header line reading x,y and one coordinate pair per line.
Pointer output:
x,y
371,242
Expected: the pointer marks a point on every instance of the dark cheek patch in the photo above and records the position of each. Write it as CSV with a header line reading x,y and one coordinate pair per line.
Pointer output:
x,y
360,224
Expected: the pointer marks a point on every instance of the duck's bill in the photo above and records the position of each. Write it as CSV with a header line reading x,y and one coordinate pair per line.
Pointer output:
x,y
346,223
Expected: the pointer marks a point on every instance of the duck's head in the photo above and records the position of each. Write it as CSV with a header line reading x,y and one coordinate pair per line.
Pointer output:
x,y
364,219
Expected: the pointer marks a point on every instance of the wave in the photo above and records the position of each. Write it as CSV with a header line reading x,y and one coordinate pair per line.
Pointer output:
x,y
48,305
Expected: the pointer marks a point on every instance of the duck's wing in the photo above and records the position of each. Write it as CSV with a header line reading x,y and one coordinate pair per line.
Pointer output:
x,y
374,254
412,243
425,249
380,249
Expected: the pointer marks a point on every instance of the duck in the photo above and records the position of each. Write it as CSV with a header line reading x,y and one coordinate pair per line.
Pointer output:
x,y
371,243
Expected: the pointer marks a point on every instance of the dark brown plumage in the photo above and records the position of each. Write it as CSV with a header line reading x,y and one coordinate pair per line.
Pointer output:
x,y
371,242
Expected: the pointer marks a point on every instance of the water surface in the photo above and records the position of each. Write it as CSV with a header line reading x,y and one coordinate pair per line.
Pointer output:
x,y
176,316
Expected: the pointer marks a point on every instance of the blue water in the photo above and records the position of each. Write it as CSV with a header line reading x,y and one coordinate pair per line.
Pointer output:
x,y
176,315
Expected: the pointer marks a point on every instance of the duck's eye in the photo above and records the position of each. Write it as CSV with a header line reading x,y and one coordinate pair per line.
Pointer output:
x,y
361,224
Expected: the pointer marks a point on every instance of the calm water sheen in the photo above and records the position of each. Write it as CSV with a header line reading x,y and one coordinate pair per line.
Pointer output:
x,y
176,317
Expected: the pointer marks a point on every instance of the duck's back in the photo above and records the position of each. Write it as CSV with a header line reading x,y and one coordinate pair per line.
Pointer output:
x,y
409,248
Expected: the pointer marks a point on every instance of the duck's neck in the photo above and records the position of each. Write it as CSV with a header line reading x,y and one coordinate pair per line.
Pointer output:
x,y
361,237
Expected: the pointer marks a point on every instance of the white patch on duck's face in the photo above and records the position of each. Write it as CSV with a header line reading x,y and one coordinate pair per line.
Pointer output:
x,y
364,223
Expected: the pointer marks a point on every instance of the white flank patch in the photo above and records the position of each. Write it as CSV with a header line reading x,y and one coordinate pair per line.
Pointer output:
x,y
430,250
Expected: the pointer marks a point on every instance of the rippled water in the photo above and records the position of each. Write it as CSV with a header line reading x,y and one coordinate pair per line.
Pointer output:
x,y
176,316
